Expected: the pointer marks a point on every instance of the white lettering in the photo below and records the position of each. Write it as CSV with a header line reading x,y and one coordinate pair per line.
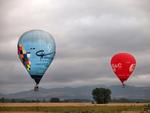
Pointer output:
x,y
116,66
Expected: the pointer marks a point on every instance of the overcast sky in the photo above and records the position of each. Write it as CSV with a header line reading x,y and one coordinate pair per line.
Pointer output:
x,y
87,33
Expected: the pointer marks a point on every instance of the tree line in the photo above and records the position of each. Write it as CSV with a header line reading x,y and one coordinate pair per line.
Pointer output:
x,y
5,100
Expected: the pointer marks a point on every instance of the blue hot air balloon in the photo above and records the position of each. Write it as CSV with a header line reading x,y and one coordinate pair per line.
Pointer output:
x,y
36,50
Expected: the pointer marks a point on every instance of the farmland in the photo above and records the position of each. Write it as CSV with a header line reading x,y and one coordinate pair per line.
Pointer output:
x,y
72,108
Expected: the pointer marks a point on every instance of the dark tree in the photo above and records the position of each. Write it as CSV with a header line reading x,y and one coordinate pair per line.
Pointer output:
x,y
55,100
2,100
101,95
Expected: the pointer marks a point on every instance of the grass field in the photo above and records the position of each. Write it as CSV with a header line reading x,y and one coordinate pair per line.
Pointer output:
x,y
71,108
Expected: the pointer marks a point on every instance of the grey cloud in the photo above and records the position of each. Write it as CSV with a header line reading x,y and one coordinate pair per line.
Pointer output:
x,y
87,33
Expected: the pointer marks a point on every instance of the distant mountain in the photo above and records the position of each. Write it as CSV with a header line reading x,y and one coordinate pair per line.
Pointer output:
x,y
84,92
2,95
131,92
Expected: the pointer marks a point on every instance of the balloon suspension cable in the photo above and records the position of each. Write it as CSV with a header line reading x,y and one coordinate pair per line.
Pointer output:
x,y
123,85
36,88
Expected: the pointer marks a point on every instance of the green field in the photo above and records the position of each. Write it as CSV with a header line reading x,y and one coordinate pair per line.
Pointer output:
x,y
74,108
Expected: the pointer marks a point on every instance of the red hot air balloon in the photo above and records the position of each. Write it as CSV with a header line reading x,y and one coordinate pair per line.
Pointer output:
x,y
123,64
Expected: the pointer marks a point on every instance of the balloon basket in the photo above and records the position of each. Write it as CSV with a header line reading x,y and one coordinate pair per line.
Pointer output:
x,y
36,88
123,85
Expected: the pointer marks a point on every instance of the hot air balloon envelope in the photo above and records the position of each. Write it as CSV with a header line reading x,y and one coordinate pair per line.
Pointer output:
x,y
36,50
123,64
